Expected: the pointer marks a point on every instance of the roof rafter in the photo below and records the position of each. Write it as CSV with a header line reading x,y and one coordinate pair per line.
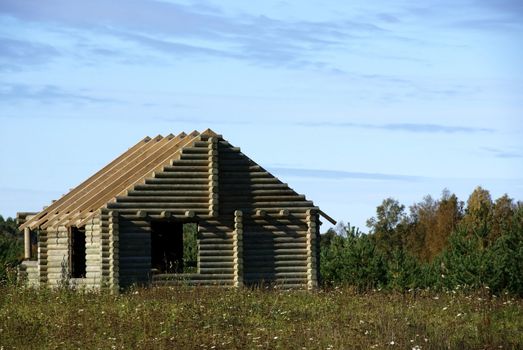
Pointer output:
x,y
78,190
120,176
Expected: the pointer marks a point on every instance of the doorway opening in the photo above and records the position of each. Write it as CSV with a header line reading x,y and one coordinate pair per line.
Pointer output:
x,y
174,247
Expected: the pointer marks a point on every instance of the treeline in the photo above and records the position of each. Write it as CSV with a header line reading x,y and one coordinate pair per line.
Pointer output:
x,y
11,248
438,244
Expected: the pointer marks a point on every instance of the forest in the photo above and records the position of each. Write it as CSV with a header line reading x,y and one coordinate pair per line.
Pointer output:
x,y
438,244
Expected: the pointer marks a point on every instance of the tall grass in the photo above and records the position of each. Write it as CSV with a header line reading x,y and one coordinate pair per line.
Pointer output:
x,y
214,318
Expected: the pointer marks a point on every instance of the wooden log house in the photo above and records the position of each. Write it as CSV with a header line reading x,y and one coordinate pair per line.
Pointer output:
x,y
124,225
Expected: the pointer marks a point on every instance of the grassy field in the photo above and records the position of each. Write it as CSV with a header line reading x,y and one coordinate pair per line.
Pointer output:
x,y
212,318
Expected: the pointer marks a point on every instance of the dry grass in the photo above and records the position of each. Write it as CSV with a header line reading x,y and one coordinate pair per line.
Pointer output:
x,y
213,318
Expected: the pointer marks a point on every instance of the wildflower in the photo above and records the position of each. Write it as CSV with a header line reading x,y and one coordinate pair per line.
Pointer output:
x,y
392,342
445,308
275,338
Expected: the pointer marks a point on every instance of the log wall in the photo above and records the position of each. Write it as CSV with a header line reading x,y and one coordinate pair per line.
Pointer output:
x,y
134,250
252,228
53,268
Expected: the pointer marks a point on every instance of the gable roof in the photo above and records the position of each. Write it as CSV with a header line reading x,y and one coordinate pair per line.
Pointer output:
x,y
138,163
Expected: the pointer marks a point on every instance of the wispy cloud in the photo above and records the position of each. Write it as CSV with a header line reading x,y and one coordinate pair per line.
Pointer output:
x,y
340,174
15,54
407,127
14,93
167,27
498,153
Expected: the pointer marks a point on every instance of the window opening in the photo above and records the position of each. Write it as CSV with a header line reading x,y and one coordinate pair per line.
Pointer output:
x,y
78,258
174,247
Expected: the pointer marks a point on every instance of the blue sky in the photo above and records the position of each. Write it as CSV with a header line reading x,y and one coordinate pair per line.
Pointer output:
x,y
348,102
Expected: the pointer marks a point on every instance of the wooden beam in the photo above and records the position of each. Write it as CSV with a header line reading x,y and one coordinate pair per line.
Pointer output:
x,y
73,194
331,220
139,173
104,186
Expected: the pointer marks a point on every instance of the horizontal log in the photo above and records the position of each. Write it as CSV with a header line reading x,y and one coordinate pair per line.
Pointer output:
x,y
213,246
260,246
184,162
267,269
180,176
276,263
161,206
168,192
208,259
161,199
265,227
193,276
290,276
194,150
179,181
130,213
225,181
171,187
207,225
232,197
216,264
189,282
295,256
217,240
223,252
269,207
245,186
216,270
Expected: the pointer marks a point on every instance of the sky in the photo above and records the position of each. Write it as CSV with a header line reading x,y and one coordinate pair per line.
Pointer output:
x,y
349,102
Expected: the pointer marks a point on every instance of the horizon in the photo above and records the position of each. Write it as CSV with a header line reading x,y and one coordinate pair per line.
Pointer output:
x,y
347,103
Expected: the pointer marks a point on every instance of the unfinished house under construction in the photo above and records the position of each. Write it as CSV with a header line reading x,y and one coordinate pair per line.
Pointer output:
x,y
177,209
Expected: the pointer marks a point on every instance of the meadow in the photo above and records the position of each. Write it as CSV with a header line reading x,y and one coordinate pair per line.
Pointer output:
x,y
215,318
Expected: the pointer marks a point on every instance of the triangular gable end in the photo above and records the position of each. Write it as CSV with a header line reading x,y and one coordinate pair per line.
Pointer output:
x,y
210,175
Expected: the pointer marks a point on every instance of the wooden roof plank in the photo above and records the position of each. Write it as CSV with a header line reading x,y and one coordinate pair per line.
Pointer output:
x,y
104,185
37,219
146,172
126,179
93,186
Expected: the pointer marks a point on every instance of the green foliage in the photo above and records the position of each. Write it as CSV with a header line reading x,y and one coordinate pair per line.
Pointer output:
x,y
352,259
11,249
403,271
436,246
190,247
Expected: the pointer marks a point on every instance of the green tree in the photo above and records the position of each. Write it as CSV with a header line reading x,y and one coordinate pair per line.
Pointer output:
x,y
389,226
478,215
503,211
352,258
11,247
